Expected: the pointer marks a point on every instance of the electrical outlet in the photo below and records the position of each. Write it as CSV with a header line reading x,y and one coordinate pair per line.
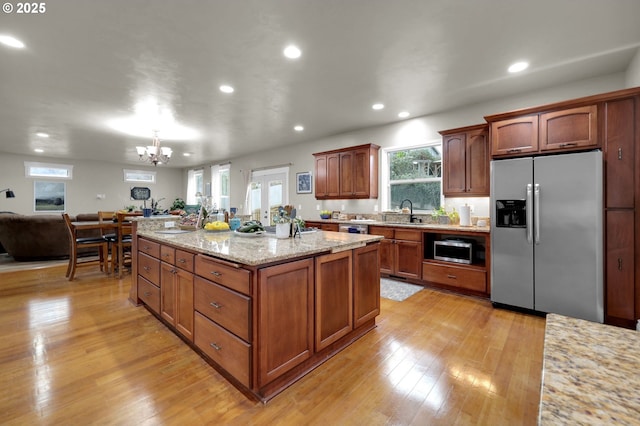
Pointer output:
x,y
170,224
375,208
299,206
318,207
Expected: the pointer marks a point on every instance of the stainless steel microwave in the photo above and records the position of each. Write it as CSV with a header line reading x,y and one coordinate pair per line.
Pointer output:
x,y
457,251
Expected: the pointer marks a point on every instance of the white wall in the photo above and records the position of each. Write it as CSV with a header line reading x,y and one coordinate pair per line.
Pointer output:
x,y
633,71
89,179
405,133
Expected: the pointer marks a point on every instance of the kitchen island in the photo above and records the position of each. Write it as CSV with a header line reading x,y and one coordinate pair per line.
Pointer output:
x,y
262,311
590,373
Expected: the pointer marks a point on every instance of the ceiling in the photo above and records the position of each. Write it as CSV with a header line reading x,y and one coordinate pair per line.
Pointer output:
x,y
86,63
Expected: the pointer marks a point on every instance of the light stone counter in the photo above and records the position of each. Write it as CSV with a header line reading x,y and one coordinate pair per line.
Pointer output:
x,y
591,374
257,250
419,226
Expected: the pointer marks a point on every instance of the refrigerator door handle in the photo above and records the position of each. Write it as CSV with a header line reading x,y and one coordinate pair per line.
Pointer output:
x,y
529,214
536,206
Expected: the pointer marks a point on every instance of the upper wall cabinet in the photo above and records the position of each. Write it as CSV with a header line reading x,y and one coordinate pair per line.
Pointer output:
x,y
566,129
465,154
347,173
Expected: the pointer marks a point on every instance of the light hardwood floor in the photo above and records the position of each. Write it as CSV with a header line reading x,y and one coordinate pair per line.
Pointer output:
x,y
80,353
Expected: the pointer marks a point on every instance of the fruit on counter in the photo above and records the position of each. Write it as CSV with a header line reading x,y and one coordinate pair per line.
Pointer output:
x,y
217,226
250,227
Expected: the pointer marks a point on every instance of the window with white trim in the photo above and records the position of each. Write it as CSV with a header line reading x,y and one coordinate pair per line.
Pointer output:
x,y
220,186
415,173
145,176
195,186
48,170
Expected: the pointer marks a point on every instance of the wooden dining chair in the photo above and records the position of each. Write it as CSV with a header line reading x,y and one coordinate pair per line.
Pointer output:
x,y
76,243
109,236
122,245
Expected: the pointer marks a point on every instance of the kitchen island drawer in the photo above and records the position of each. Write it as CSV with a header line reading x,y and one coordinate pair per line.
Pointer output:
x,y
184,260
149,247
225,273
149,268
455,276
149,294
223,348
226,307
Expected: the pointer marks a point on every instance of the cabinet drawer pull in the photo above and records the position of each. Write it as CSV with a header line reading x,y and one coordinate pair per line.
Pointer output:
x,y
146,268
182,260
216,273
619,264
619,153
147,293
215,346
453,277
514,150
566,144
216,305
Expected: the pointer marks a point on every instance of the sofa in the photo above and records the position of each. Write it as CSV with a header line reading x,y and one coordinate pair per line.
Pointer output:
x,y
40,237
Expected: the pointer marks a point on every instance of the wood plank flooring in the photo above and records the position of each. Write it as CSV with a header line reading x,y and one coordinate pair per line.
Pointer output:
x,y
79,353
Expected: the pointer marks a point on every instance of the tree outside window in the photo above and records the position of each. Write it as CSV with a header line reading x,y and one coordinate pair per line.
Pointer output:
x,y
416,174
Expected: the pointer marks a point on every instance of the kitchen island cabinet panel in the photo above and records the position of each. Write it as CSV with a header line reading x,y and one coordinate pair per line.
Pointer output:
x,y
225,273
225,349
230,309
366,285
286,314
149,268
334,298
149,294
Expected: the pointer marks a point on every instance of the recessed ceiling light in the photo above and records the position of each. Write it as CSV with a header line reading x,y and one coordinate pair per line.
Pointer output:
x,y
11,41
39,150
226,88
292,52
298,128
377,106
518,66
186,154
42,135
403,114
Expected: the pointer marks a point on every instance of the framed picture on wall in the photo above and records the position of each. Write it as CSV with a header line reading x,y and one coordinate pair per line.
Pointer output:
x,y
49,196
303,183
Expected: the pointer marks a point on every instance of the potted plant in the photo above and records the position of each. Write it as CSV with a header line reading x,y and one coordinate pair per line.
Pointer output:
x,y
440,216
178,206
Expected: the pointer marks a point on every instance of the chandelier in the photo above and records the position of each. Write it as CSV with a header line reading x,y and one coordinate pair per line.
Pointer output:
x,y
154,153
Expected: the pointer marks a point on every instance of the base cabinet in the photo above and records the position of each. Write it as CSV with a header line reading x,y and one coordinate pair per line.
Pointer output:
x,y
263,327
400,251
324,226
285,306
334,298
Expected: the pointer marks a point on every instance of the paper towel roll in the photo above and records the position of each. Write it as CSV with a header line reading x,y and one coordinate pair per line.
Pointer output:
x,y
465,216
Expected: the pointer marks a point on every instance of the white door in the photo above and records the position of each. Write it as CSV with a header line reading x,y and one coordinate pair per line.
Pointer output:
x,y
269,190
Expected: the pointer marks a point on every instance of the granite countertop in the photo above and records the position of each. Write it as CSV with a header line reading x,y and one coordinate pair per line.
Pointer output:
x,y
591,373
422,226
257,250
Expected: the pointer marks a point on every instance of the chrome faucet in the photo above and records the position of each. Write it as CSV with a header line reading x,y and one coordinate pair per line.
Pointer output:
x,y
412,218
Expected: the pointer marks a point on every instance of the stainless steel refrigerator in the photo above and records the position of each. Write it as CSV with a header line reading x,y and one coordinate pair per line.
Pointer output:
x,y
546,234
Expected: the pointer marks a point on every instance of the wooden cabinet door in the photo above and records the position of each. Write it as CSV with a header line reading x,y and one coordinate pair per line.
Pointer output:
x,y
321,176
346,174
387,256
620,277
366,284
514,136
454,160
285,318
408,259
477,163
184,303
167,292
619,153
333,175
569,129
334,298
361,174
